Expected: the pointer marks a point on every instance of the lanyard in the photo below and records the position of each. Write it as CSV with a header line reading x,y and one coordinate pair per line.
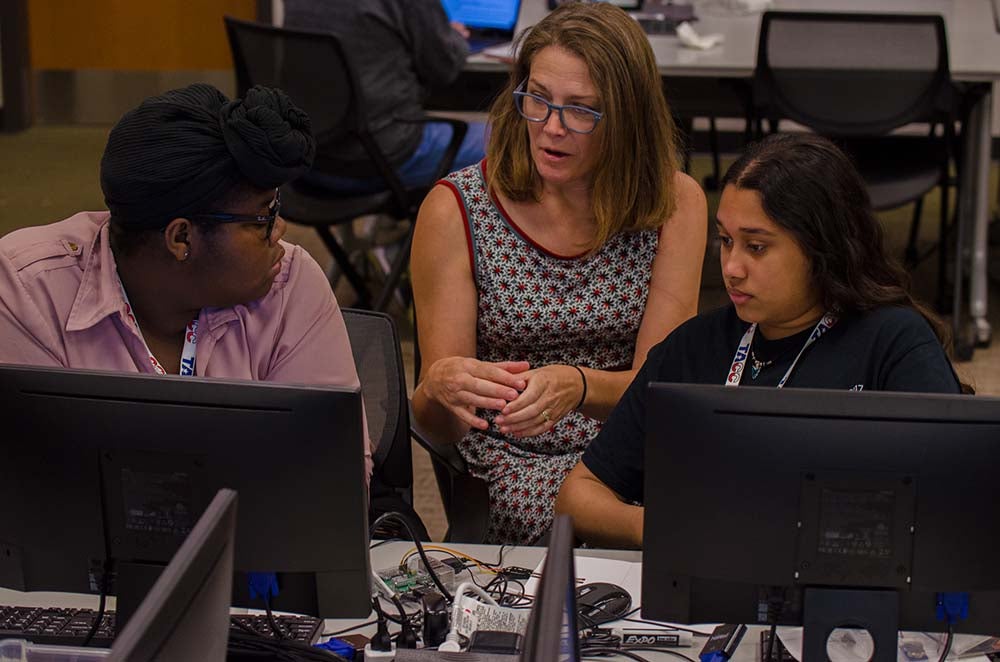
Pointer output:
x,y
739,361
190,341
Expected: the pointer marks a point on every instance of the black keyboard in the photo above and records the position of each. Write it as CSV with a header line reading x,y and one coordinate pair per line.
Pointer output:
x,y
65,626
305,629
657,26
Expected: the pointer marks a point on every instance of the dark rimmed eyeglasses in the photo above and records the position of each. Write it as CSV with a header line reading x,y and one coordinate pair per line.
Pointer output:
x,y
534,108
269,218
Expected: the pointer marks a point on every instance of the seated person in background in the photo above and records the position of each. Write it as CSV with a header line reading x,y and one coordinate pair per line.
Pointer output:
x,y
817,302
187,274
400,49
543,275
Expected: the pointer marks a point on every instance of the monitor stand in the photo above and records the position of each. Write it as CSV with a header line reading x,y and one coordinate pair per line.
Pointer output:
x,y
825,609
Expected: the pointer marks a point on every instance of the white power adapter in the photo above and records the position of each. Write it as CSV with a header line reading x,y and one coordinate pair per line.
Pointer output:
x,y
371,654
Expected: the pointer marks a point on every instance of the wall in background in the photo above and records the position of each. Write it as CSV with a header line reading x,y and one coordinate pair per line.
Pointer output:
x,y
127,35
92,60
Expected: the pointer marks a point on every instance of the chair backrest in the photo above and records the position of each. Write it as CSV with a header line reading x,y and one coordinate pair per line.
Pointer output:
x,y
312,68
375,345
852,74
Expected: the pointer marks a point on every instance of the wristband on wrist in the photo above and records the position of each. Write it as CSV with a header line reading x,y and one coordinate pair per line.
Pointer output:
x,y
584,395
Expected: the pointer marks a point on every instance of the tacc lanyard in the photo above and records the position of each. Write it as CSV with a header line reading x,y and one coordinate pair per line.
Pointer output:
x,y
743,351
190,341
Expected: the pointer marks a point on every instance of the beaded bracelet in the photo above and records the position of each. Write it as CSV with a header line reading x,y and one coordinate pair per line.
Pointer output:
x,y
584,378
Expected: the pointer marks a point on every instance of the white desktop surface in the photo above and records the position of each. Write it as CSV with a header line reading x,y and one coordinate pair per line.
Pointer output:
x,y
973,41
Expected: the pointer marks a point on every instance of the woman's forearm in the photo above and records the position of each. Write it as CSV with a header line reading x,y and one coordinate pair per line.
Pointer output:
x,y
599,516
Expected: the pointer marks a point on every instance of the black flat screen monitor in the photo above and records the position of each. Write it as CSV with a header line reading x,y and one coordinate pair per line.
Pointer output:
x,y
755,497
552,627
186,614
161,447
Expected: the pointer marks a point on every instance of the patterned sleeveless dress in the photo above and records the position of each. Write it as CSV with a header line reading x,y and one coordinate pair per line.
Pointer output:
x,y
545,309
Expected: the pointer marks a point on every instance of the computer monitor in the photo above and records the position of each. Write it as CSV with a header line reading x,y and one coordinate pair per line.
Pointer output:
x,y
495,14
107,465
760,504
552,632
186,614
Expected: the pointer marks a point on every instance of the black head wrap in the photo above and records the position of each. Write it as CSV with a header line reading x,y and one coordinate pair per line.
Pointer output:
x,y
178,153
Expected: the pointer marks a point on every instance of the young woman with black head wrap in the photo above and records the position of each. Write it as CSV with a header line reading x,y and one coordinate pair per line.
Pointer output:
x,y
187,272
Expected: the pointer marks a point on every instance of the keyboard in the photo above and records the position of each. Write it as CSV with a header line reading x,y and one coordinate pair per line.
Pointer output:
x,y
480,44
657,26
65,626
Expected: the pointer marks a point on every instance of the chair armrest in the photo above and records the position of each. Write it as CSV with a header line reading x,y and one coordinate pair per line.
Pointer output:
x,y
445,454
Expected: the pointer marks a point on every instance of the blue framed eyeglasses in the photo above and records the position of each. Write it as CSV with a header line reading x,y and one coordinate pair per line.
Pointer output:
x,y
534,108
269,218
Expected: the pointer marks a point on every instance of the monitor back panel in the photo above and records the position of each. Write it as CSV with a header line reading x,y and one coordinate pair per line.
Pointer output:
x,y
748,490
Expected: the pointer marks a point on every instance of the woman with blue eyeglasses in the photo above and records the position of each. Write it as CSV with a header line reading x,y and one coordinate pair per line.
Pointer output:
x,y
543,275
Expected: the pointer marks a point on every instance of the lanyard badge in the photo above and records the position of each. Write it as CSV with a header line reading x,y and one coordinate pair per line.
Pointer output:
x,y
190,341
743,351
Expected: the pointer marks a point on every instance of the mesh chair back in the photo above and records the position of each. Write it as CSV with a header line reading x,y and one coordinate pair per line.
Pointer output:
x,y
313,70
375,345
853,74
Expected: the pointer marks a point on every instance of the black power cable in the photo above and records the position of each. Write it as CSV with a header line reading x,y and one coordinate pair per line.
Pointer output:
x,y
337,633
595,653
588,651
102,604
770,642
947,643
287,649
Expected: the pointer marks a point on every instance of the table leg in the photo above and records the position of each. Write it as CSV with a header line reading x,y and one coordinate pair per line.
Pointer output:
x,y
978,145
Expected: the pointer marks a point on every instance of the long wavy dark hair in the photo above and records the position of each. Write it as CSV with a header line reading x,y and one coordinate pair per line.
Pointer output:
x,y
810,188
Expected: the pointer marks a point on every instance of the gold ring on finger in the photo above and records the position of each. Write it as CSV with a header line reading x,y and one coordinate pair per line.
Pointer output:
x,y
547,415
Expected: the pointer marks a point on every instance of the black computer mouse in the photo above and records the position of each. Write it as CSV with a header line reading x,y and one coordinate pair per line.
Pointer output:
x,y
600,603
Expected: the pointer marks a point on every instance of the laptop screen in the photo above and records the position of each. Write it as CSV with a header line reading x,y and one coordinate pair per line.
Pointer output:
x,y
496,14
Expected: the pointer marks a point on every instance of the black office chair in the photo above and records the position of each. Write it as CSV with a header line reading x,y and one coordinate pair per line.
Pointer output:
x,y
855,78
465,498
375,346
316,73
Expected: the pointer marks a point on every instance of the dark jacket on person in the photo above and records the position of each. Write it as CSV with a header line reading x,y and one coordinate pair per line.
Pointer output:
x,y
400,49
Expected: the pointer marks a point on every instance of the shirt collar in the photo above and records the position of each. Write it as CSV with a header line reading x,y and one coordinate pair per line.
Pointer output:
x,y
100,294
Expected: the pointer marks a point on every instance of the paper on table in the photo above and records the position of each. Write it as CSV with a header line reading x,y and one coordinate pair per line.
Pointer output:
x,y
627,574
474,615
504,51
691,39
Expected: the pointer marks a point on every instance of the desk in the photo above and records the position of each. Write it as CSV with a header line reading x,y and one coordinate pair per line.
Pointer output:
x,y
692,79
388,555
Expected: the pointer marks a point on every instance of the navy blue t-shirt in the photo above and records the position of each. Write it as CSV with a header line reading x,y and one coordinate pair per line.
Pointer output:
x,y
890,349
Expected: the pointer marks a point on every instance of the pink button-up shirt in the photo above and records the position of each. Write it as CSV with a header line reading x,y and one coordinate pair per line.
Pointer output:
x,y
61,305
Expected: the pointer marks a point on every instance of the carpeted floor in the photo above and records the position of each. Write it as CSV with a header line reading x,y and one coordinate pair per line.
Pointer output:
x,y
49,173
